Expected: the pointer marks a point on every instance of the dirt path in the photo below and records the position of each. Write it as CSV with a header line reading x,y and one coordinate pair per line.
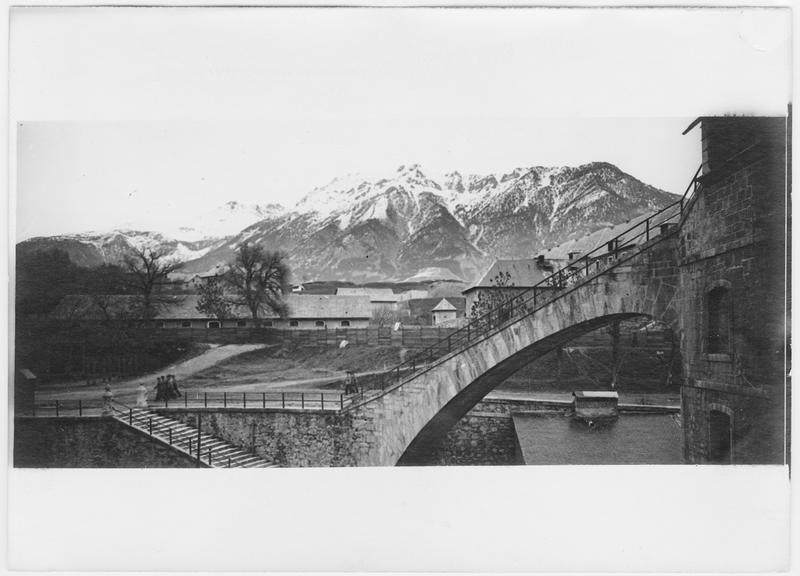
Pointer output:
x,y
126,389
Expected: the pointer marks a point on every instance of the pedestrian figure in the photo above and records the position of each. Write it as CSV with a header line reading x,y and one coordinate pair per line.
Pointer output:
x,y
173,386
141,396
159,388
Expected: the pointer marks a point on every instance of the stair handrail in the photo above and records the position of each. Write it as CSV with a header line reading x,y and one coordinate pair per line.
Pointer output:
x,y
557,281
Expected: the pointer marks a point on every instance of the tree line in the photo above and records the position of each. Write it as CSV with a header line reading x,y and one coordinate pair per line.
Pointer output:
x,y
256,279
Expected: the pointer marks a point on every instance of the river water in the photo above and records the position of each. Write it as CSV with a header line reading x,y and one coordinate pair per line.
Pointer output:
x,y
632,439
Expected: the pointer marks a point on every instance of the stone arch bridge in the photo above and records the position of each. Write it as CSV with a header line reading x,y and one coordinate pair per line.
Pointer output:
x,y
398,425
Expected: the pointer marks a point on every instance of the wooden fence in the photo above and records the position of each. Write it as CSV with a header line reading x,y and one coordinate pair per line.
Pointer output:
x,y
407,337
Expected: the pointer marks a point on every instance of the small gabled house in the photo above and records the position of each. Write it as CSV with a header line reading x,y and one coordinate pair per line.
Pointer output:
x,y
420,310
444,313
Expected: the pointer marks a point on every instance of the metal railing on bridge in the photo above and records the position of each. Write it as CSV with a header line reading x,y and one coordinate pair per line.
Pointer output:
x,y
284,400
601,260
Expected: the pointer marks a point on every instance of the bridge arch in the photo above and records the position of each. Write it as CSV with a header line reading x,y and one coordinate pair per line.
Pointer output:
x,y
435,430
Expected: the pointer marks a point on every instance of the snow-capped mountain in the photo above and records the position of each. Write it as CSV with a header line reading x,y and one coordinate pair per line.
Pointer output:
x,y
400,226
225,220
395,227
96,248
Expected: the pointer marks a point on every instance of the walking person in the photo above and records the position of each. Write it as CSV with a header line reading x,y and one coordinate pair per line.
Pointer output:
x,y
141,396
173,386
159,388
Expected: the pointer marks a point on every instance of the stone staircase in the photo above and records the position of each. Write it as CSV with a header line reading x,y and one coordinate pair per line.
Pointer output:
x,y
214,453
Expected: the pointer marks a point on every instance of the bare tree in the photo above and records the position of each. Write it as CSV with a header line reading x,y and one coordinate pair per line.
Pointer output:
x,y
503,299
259,280
149,270
213,300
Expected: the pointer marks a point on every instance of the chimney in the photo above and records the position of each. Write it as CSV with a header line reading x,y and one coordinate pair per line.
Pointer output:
x,y
573,255
540,261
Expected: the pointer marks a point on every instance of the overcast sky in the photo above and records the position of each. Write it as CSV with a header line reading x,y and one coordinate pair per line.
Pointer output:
x,y
144,117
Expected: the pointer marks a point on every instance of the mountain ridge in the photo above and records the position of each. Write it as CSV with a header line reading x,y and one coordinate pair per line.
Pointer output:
x,y
394,227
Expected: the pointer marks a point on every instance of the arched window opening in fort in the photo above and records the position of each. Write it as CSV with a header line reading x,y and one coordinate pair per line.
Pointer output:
x,y
720,438
213,324
718,326
345,323
319,324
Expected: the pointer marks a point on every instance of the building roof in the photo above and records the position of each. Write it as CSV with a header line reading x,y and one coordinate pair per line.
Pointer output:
x,y
84,307
412,295
375,294
444,306
328,306
524,273
596,239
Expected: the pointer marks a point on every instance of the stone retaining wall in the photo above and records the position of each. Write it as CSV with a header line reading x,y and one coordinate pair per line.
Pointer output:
x,y
87,442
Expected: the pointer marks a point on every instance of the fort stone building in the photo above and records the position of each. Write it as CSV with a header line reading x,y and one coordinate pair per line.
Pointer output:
x,y
732,266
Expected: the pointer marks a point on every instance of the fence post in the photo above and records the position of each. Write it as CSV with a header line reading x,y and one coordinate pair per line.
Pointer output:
x,y
170,436
322,401
198,438
150,426
80,408
205,399
263,399
283,399
302,400
185,399
130,416
341,401
190,446
244,399
57,407
224,399
647,229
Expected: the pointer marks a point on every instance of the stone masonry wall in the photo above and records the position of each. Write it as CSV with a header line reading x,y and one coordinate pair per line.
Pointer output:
x,y
733,238
295,439
88,443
